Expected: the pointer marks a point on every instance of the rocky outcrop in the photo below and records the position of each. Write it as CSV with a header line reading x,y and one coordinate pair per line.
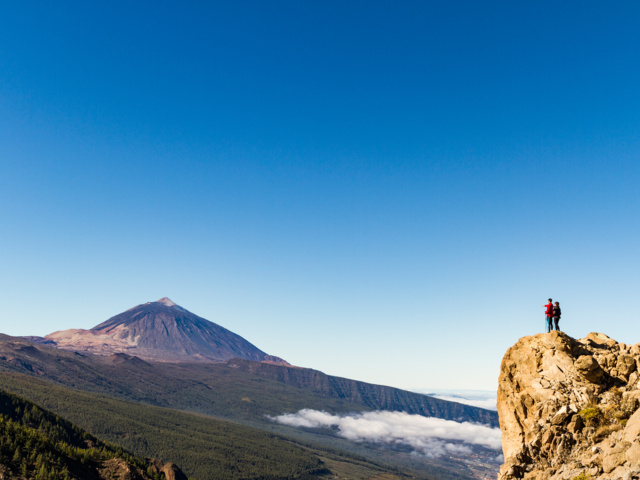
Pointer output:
x,y
568,409
172,472
169,470
119,469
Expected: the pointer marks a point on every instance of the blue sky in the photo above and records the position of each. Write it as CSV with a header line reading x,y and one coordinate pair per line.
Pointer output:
x,y
386,191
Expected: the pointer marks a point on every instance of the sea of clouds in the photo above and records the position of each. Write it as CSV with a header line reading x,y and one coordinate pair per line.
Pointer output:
x,y
431,437
477,398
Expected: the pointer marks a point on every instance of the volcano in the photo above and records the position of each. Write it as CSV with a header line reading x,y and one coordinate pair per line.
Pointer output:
x,y
161,331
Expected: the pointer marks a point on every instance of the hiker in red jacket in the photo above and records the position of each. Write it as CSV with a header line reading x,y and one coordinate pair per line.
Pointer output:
x,y
549,313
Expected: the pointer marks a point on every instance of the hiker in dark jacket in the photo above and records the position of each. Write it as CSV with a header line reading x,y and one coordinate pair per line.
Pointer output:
x,y
556,314
549,315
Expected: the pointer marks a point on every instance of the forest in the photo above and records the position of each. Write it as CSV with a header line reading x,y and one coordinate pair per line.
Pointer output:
x,y
37,444
204,448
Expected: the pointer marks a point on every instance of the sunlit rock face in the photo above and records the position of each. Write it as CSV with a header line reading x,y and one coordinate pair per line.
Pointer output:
x,y
161,331
569,408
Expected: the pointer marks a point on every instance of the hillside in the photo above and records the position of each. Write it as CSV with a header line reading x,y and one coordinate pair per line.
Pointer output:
x,y
160,355
238,390
569,409
35,443
370,396
219,389
207,448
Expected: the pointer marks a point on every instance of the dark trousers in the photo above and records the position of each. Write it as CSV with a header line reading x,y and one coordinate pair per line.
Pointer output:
x,y
549,324
556,320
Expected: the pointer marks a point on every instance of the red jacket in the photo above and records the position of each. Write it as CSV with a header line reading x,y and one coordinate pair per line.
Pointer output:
x,y
549,311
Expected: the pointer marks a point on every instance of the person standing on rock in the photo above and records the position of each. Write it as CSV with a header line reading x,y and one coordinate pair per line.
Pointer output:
x,y
549,315
556,314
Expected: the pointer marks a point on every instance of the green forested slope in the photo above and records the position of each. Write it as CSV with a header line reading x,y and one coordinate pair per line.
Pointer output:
x,y
37,444
205,448
237,390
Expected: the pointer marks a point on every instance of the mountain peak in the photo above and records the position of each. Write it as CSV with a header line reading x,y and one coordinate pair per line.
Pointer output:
x,y
167,301
161,331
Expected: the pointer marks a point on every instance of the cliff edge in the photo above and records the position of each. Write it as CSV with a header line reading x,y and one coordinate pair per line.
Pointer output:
x,y
568,409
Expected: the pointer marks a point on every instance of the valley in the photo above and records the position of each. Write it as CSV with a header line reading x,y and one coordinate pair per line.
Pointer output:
x,y
217,416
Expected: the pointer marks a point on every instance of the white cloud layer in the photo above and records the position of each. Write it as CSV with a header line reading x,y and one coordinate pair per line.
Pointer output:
x,y
432,437
489,404
476,398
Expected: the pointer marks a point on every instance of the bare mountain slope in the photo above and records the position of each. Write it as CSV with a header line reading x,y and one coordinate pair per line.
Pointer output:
x,y
161,331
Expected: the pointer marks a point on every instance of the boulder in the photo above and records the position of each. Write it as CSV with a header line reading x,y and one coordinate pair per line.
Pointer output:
x,y
172,472
589,368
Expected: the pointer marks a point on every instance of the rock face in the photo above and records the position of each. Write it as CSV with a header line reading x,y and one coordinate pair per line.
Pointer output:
x,y
118,469
160,331
568,409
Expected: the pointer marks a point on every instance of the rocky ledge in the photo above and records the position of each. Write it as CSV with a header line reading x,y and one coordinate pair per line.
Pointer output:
x,y
569,409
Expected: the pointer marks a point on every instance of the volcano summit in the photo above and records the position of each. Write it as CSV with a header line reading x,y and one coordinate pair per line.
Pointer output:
x,y
160,331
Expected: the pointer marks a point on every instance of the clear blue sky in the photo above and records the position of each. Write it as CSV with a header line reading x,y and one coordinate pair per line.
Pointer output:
x,y
386,191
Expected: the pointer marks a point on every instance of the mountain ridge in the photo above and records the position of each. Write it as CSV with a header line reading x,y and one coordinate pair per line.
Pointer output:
x,y
375,397
161,355
135,355
215,385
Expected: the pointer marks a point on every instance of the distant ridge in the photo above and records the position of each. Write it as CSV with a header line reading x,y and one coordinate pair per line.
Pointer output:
x,y
238,390
160,331
235,389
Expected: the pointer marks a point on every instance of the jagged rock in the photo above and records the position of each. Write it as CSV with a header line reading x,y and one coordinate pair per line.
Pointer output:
x,y
599,340
118,469
575,425
632,430
172,472
626,365
589,368
570,407
633,455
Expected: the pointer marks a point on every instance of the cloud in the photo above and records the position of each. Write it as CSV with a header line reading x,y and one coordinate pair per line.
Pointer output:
x,y
432,437
489,404
476,398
